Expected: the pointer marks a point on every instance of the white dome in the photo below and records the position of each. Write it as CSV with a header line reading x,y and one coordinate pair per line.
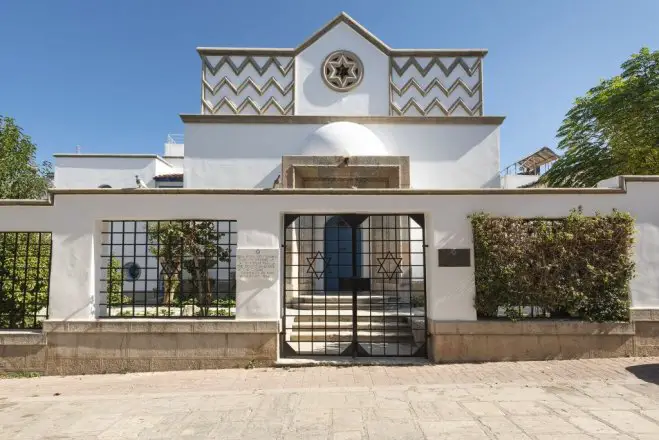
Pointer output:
x,y
343,139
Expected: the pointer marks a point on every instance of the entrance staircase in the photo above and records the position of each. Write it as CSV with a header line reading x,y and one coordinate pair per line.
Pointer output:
x,y
321,317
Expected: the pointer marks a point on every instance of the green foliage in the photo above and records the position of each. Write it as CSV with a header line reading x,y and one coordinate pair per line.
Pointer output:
x,y
24,279
20,176
19,375
613,129
577,266
115,285
192,246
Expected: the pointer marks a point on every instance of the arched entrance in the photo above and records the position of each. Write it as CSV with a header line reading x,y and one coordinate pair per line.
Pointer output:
x,y
339,250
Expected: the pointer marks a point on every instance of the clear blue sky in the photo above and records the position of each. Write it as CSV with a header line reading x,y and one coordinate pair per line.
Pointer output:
x,y
113,76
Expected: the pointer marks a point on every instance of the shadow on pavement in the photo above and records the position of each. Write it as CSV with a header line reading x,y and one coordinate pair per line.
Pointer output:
x,y
648,372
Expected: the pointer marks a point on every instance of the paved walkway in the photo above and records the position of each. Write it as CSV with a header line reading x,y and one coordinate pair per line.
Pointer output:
x,y
588,399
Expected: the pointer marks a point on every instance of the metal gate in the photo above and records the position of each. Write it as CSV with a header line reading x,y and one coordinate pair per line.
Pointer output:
x,y
354,285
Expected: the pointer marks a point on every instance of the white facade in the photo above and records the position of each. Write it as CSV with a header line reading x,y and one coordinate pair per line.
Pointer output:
x,y
75,284
260,105
350,165
441,155
313,97
115,171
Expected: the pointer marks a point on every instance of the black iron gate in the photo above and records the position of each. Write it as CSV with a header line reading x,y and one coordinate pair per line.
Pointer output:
x,y
354,285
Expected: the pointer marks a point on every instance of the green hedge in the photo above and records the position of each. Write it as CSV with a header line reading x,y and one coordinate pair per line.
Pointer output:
x,y
577,266
24,279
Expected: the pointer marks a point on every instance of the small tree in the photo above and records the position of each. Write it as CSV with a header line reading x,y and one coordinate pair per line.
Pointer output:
x,y
166,240
20,176
189,245
115,285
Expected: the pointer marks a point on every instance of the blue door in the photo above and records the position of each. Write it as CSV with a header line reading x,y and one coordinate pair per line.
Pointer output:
x,y
338,252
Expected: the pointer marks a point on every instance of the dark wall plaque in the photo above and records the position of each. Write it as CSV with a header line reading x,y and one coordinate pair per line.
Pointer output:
x,y
358,284
454,257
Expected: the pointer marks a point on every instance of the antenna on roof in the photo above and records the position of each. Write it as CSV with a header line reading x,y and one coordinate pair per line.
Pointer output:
x,y
77,149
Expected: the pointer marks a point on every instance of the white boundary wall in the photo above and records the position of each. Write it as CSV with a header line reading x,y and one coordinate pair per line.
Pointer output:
x,y
75,221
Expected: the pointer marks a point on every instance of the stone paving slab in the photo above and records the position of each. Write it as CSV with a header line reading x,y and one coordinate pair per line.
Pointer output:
x,y
584,399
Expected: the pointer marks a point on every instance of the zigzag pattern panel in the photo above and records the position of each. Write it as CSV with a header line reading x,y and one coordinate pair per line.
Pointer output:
x,y
436,86
247,85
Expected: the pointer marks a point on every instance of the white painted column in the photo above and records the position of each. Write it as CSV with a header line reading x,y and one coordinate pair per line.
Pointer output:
x,y
73,274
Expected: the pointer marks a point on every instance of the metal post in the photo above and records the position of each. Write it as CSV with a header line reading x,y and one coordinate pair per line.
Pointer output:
x,y
354,290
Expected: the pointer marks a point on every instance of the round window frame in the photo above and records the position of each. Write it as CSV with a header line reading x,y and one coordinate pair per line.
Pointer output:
x,y
128,271
357,60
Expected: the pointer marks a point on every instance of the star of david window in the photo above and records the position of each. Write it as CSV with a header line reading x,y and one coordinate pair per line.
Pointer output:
x,y
389,266
342,71
311,268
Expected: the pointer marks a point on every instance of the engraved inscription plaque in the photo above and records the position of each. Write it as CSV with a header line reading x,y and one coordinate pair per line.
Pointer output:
x,y
454,257
257,264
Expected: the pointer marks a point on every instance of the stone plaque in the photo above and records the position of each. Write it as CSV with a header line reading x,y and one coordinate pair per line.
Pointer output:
x,y
257,264
454,257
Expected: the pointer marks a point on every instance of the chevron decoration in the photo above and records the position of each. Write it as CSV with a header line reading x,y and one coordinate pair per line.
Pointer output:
x,y
436,86
251,85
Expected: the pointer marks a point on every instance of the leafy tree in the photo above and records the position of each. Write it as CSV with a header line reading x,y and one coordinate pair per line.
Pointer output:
x,y
115,285
166,245
613,129
189,245
20,176
24,279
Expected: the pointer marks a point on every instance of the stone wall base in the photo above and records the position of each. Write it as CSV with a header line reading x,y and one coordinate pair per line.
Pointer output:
x,y
122,346
22,351
647,338
476,341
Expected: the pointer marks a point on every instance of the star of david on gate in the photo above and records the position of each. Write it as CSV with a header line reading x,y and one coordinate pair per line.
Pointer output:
x,y
389,260
312,264
342,71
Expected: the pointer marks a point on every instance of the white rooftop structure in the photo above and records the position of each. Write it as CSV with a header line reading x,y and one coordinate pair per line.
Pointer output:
x,y
340,93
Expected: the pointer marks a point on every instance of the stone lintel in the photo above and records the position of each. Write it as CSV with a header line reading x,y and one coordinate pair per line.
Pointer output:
x,y
16,337
391,172
644,314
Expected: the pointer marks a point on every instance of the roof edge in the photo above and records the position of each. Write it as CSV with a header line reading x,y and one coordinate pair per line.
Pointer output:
x,y
354,24
335,191
119,156
313,119
343,17
325,191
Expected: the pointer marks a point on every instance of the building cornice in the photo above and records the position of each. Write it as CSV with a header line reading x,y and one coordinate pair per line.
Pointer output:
x,y
354,25
300,119
340,191
624,180
116,156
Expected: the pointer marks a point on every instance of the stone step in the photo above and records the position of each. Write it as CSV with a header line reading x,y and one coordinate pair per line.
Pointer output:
x,y
361,298
346,336
332,317
320,306
374,324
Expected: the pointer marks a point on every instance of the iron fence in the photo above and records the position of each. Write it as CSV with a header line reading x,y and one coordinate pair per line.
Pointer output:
x,y
354,285
168,269
25,259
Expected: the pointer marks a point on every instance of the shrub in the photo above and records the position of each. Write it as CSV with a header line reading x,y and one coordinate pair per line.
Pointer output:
x,y
24,279
576,266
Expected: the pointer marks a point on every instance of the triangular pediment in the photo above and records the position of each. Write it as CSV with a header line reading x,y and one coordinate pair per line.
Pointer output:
x,y
353,24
